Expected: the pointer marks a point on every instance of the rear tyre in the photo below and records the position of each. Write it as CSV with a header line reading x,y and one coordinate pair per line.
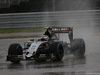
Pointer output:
x,y
14,53
78,47
57,50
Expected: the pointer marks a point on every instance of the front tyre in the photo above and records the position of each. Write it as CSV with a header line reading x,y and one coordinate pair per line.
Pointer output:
x,y
15,53
57,50
78,47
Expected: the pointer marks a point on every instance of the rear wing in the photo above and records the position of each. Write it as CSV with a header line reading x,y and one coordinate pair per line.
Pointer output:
x,y
68,30
62,30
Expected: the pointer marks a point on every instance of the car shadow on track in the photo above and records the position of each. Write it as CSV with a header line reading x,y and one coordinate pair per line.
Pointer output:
x,y
69,61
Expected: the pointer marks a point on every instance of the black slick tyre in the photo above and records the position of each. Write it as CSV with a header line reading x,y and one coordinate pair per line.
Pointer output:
x,y
78,47
57,50
14,51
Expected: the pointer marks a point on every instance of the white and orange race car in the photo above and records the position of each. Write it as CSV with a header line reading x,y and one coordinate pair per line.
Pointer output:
x,y
49,47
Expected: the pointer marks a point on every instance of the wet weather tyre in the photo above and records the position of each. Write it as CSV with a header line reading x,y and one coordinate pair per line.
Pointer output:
x,y
14,51
36,57
58,51
78,47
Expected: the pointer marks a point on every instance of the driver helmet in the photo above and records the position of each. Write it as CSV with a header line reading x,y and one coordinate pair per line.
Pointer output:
x,y
45,36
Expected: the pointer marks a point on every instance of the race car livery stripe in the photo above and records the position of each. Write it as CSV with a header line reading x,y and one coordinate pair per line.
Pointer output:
x,y
41,45
44,43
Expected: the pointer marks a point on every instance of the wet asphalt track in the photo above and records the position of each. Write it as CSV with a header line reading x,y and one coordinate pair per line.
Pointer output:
x,y
86,27
89,65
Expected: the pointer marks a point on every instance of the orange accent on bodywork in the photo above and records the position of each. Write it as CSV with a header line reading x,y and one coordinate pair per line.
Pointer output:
x,y
41,45
44,43
66,31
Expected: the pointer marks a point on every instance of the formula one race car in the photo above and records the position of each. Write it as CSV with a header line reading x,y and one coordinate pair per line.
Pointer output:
x,y
49,47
